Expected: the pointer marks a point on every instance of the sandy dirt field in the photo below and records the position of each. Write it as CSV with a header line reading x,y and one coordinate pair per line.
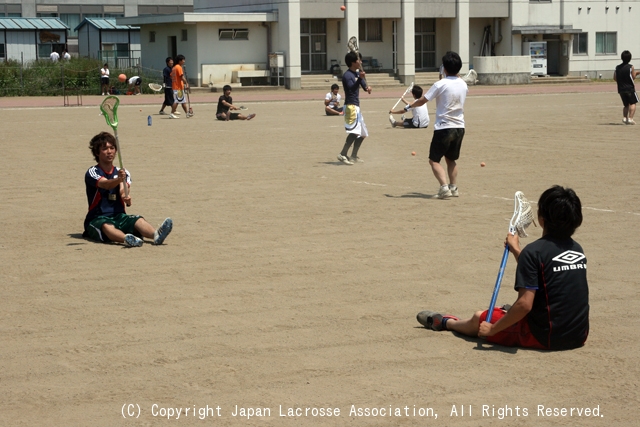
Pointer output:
x,y
293,281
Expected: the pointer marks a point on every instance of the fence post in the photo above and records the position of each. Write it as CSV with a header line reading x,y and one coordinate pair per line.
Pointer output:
x,y
21,76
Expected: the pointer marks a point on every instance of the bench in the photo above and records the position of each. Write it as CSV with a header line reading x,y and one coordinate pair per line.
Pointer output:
x,y
371,64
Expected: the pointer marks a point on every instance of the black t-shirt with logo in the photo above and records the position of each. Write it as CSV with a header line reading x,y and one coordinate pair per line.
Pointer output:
x,y
557,270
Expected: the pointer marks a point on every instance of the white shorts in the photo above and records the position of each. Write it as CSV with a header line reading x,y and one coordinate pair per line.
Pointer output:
x,y
178,96
354,122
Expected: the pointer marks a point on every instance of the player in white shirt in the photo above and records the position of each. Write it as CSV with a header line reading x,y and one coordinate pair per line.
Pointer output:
x,y
420,114
54,56
332,102
450,94
134,85
104,79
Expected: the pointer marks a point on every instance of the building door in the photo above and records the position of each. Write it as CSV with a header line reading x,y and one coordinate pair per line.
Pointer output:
x,y
313,45
173,46
394,58
553,56
426,44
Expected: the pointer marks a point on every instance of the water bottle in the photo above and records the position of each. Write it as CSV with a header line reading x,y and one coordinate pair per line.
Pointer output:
x,y
149,121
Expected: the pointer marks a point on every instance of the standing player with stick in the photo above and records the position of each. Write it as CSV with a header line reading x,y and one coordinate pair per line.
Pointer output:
x,y
551,311
107,220
450,94
352,81
168,90
178,83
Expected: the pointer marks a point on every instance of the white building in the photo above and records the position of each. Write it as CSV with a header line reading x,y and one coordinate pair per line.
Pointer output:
x,y
73,12
102,38
582,37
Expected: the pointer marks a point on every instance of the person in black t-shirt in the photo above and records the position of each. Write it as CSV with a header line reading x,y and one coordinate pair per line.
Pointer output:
x,y
225,105
552,308
624,75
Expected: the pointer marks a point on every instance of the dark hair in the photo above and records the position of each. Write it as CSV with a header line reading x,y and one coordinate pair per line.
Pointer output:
x,y
452,63
178,59
168,59
416,91
226,88
350,58
106,64
561,210
98,141
625,56
334,86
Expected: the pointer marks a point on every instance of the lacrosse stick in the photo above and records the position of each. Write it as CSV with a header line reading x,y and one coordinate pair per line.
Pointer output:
x,y
521,219
109,108
155,87
187,91
403,95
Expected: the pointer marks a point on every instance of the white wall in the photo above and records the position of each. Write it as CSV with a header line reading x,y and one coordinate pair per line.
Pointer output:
x,y
21,43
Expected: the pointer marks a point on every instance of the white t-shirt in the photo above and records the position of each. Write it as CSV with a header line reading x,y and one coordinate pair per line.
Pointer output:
x,y
333,103
54,56
67,56
104,72
133,80
420,116
450,94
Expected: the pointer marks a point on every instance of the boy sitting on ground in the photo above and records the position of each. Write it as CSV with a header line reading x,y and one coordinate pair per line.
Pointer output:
x,y
332,102
107,220
225,104
552,308
420,114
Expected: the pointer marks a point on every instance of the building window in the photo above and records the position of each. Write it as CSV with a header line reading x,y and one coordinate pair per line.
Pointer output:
x,y
370,30
184,36
233,34
606,43
152,36
2,54
580,44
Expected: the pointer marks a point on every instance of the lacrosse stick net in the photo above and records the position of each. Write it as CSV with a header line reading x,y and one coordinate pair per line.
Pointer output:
x,y
109,109
352,44
521,219
155,87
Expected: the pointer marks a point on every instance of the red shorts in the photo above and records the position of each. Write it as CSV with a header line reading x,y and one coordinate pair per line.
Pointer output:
x,y
516,335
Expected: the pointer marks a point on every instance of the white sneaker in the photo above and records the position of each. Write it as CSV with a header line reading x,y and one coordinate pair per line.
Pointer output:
x,y
162,113
631,122
177,112
454,190
189,115
392,121
132,241
344,159
163,231
355,160
173,116
444,192
103,94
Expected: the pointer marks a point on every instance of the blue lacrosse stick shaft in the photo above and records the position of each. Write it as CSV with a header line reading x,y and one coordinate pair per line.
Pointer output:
x,y
496,288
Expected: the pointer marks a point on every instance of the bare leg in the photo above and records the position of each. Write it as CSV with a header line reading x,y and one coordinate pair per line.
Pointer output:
x,y
632,111
467,326
184,107
174,107
113,233
452,169
144,228
331,111
625,112
438,172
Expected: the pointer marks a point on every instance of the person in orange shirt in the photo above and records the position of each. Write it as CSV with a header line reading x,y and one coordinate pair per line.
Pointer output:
x,y
179,83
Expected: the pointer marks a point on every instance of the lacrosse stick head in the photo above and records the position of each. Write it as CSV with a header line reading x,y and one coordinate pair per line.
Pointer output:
x,y
155,87
353,44
522,215
109,108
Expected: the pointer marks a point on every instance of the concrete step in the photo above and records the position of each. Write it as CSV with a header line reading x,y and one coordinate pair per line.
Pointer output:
x,y
324,81
559,79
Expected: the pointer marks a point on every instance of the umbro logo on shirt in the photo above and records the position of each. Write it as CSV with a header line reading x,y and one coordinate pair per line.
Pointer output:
x,y
570,259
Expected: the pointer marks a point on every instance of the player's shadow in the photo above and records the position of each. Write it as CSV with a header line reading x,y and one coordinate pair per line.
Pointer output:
x,y
77,236
614,124
413,196
481,344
